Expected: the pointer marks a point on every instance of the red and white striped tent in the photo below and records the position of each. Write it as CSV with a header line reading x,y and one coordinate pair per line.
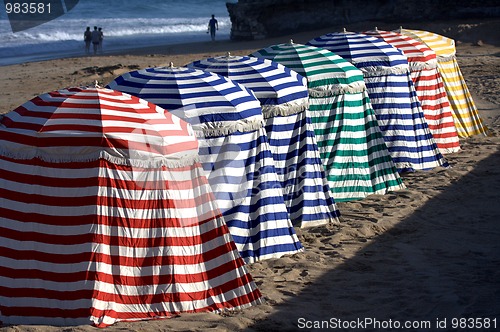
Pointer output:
x,y
106,216
429,86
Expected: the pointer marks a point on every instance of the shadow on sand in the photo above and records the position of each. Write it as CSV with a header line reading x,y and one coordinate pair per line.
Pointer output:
x,y
440,262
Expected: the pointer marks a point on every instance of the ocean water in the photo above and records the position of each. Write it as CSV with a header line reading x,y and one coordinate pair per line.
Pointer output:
x,y
125,23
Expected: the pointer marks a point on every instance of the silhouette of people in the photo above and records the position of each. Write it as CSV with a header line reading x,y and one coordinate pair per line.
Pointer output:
x,y
87,38
101,38
212,26
96,38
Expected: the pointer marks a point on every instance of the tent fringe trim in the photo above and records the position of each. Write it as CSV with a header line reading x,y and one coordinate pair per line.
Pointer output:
x,y
372,71
224,130
446,58
187,159
338,89
271,111
418,66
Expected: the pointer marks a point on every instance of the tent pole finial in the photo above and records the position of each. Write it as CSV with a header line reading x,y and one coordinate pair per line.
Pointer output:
x,y
291,41
171,65
345,30
96,85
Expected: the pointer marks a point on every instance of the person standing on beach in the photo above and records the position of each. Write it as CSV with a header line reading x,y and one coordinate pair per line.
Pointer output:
x,y
212,26
96,38
87,38
101,38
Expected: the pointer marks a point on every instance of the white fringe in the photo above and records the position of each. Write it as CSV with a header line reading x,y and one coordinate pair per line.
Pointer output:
x,y
418,66
223,129
446,58
384,71
181,160
337,89
271,111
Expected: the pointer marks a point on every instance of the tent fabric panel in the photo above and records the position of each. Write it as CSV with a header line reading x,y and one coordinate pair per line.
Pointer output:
x,y
402,122
252,204
299,168
436,107
467,119
142,265
352,149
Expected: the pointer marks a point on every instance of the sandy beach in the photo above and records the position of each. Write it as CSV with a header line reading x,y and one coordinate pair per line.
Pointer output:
x,y
427,255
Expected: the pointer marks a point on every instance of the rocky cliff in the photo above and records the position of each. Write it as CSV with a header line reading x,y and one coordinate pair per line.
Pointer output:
x,y
256,19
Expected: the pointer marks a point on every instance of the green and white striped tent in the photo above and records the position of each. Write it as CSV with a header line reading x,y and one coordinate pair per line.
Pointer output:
x,y
352,148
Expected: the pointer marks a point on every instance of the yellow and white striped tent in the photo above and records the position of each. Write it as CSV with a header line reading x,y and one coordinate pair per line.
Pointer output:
x,y
465,114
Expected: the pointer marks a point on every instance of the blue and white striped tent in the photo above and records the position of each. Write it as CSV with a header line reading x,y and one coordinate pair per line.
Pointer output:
x,y
234,151
284,100
352,149
393,96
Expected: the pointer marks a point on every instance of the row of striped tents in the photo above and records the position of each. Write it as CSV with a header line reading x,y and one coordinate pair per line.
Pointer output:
x,y
106,211
284,99
393,96
234,151
352,149
429,87
467,119
106,215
